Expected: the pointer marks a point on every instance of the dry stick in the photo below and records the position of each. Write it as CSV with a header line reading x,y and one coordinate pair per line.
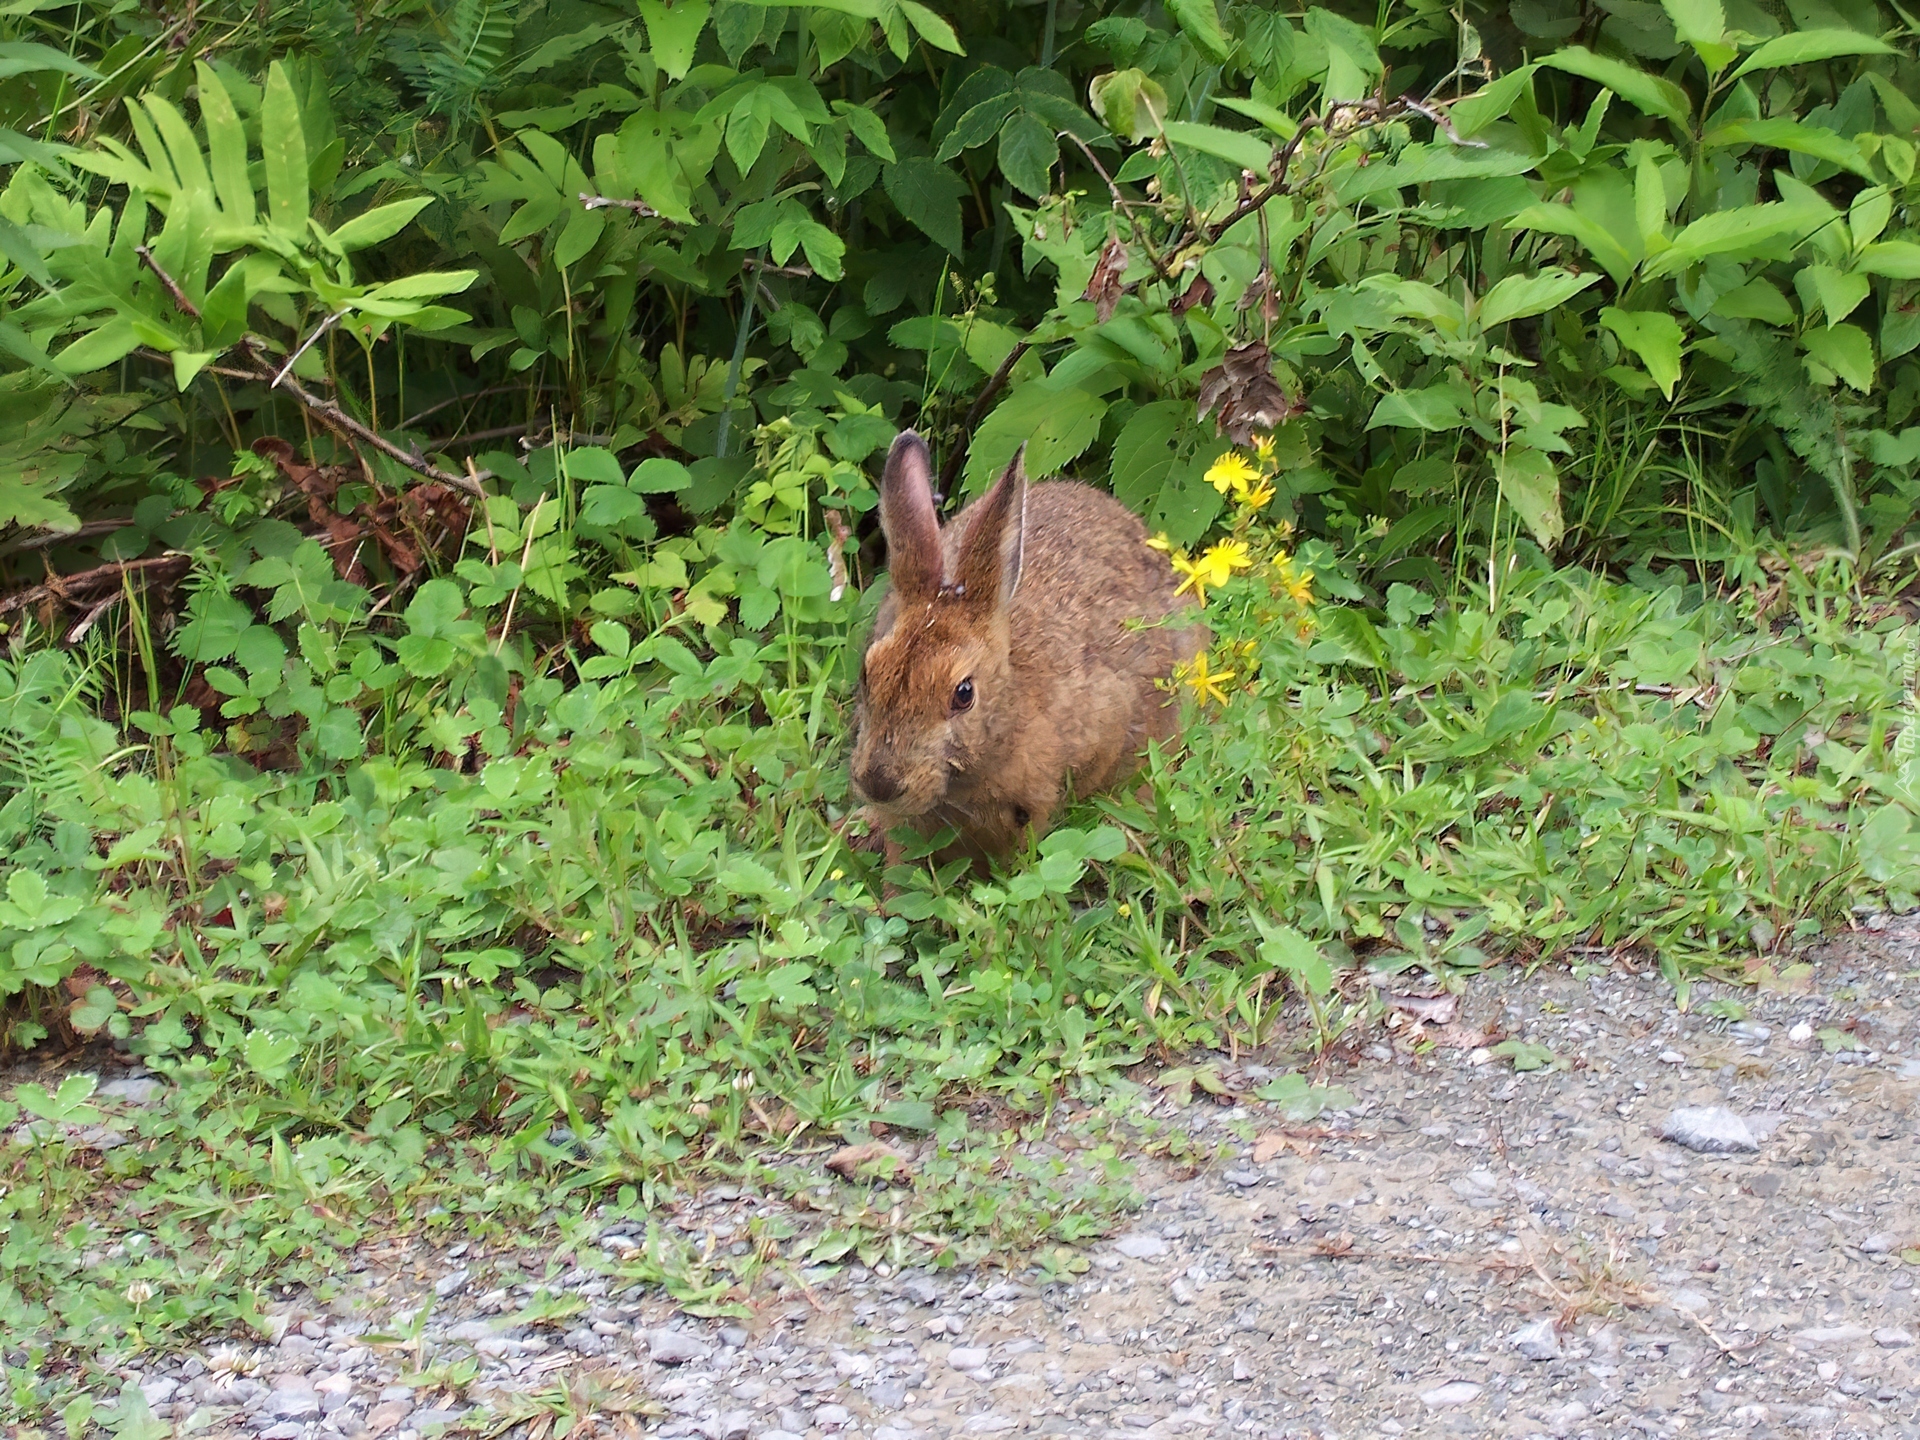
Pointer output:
x,y
87,579
180,300
1123,204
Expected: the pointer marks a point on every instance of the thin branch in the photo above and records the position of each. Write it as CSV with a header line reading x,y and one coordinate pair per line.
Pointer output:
x,y
957,456
1123,204
180,300
413,420
305,345
61,585
603,202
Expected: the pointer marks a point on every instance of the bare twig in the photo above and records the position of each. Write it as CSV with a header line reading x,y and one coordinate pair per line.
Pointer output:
x,y
995,384
180,300
305,345
1121,203
99,608
60,585
604,202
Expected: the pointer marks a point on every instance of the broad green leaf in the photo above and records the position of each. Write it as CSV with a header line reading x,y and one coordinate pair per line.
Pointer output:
x,y
1440,406
1703,25
1295,956
1794,135
1236,147
646,152
869,129
1201,23
183,149
283,151
979,125
25,57
23,253
928,194
1353,61
659,476
1529,484
1519,296
1028,153
1803,47
1742,228
673,30
1758,299
931,28
1560,219
1471,114
1650,204
1654,336
189,363
1651,94
226,146
1130,103
1847,350
383,222
1055,422
429,285
1278,121
108,345
1146,451
1867,217
1895,259
1837,292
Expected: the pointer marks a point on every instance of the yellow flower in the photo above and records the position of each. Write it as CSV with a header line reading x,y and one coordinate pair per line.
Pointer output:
x,y
1160,542
1196,580
1231,472
1263,447
1258,494
1207,684
1214,567
1297,583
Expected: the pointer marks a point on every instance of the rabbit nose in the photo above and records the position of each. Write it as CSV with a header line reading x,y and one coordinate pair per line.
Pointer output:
x,y
878,786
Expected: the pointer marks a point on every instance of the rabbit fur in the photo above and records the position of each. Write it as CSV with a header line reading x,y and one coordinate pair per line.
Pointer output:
x,y
1015,657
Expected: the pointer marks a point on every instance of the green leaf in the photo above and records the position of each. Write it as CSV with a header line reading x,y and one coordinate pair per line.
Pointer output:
x,y
93,1012
1794,135
1286,950
108,345
928,194
931,28
1201,23
268,1054
1837,292
1353,60
1519,296
1846,350
673,30
338,735
25,57
1654,336
1650,94
1703,25
1236,147
1130,103
1055,422
226,146
869,129
1440,406
1599,242
1028,153
1473,113
383,222
1803,47
979,125
283,151
1529,484
1743,228
1895,259
659,476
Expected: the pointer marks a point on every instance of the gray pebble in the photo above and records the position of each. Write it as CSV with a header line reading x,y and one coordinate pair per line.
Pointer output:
x,y
967,1357
733,1425
284,1430
676,1347
1454,1392
293,1398
1245,1179
1538,1341
833,1417
888,1394
1141,1246
452,1283
1880,1243
1892,1338
733,1336
1832,1335
1709,1129
140,1090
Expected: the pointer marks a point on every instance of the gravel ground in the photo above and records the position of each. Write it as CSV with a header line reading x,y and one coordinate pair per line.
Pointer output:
x,y
1467,1250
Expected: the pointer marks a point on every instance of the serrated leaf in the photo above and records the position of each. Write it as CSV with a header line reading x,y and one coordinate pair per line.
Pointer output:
x,y
673,31
979,125
1529,484
931,28
1654,336
283,152
927,194
1651,94
1599,242
1440,406
1130,103
1793,135
1236,147
1028,153
1518,296
1729,231
1837,292
1803,47
1894,259
1847,350
1201,23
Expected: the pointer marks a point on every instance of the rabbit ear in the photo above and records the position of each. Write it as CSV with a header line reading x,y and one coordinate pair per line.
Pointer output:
x,y
990,556
907,518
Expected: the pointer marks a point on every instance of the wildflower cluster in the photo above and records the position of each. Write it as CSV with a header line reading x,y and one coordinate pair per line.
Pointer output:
x,y
1251,545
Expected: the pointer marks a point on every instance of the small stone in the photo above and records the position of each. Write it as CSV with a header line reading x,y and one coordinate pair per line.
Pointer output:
x,y
451,1283
733,1336
1708,1129
141,1090
1182,1292
158,1392
779,1435
1800,1033
732,1425
921,1290
293,1398
425,1420
1877,1244
387,1414
1454,1392
285,1430
469,1331
1538,1341
1689,1302
967,1357
1241,1369
1748,1030
1141,1246
1245,1179
676,1347
888,1394
990,1423
832,1417
1832,1335
1892,1338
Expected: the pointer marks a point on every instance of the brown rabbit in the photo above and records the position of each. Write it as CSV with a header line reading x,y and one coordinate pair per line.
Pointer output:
x,y
1017,653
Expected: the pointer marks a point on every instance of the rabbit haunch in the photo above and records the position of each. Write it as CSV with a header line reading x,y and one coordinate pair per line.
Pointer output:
x,y
1018,654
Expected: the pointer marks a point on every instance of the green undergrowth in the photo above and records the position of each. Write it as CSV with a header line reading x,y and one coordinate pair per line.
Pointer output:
x,y
617,939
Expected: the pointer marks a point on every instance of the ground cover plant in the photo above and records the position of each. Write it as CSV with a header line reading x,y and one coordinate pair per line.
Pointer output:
x,y
438,470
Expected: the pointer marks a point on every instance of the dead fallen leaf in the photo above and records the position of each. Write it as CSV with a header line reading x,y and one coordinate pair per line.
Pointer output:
x,y
1276,1143
870,1161
1247,396
1427,1009
1200,292
1104,287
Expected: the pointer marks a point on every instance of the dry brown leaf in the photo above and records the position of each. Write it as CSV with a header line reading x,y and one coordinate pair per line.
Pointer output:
x,y
1427,1009
871,1161
1104,286
1276,1143
1247,396
1200,292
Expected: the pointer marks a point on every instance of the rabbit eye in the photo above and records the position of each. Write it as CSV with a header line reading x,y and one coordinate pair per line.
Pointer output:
x,y
963,695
